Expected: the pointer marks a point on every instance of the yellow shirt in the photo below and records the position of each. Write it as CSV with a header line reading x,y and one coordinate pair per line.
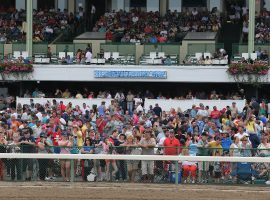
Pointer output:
x,y
216,148
250,127
79,139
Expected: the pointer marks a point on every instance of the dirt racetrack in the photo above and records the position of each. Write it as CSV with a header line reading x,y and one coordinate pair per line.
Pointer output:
x,y
125,191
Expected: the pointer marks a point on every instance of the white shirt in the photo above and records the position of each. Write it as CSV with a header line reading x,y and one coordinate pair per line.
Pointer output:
x,y
240,136
203,113
25,116
139,108
39,116
245,29
88,57
93,9
85,109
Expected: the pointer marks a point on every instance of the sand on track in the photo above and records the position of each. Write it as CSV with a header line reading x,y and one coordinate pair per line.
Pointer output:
x,y
126,191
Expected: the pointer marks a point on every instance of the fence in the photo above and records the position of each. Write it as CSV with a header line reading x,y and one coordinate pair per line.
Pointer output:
x,y
38,48
122,48
238,49
135,168
168,49
194,48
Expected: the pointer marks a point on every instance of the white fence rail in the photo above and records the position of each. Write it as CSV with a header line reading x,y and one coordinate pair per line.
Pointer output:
x,y
135,157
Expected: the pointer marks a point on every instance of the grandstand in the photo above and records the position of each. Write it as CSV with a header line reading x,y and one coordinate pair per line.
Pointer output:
x,y
139,91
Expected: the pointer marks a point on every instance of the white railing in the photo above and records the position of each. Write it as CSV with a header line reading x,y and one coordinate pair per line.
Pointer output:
x,y
135,157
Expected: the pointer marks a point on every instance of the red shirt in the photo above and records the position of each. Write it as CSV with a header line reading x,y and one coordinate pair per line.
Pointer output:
x,y
62,107
173,146
101,125
215,114
109,35
56,138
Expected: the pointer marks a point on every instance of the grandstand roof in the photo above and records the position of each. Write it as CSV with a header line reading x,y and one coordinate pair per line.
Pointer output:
x,y
201,36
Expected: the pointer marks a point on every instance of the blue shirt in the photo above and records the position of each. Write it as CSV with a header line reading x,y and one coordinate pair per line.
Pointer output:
x,y
193,113
101,110
88,148
226,143
193,148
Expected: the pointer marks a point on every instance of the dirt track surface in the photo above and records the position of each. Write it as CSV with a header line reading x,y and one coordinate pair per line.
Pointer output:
x,y
125,191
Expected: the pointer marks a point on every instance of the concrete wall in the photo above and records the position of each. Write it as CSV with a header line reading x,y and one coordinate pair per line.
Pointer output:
x,y
196,74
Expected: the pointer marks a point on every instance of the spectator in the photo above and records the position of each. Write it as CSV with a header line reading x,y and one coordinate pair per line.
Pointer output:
x,y
148,143
87,164
27,143
65,144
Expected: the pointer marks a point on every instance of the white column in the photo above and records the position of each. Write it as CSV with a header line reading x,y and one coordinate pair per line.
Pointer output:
x,y
20,4
71,6
175,5
127,5
215,3
61,4
35,4
163,7
152,5
118,5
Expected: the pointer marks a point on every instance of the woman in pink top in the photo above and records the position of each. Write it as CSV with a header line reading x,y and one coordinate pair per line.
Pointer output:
x,y
65,145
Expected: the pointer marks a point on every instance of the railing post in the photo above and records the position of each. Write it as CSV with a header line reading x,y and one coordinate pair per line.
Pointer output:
x,y
176,173
72,167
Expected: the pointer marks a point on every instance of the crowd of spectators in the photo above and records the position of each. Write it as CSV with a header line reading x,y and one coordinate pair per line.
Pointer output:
x,y
139,94
47,25
150,27
116,129
262,23
210,59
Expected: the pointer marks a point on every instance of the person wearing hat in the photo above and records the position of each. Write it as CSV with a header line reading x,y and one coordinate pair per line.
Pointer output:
x,y
203,150
245,147
147,144
43,163
171,144
252,131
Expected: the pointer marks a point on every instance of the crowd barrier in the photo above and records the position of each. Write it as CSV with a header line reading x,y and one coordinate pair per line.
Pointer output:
x,y
166,169
165,104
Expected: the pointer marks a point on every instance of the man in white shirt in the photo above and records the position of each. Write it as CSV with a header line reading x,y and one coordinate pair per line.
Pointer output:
x,y
241,133
84,108
202,111
139,108
88,56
